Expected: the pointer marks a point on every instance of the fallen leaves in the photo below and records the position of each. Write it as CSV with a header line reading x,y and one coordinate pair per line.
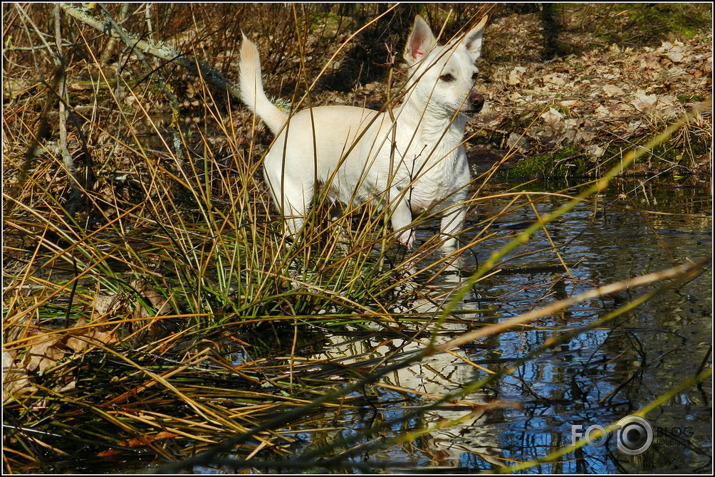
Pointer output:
x,y
586,100
44,351
38,351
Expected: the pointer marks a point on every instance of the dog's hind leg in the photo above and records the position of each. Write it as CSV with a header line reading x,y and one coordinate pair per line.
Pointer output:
x,y
292,198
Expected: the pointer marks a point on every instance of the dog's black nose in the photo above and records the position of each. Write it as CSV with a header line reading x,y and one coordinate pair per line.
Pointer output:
x,y
477,101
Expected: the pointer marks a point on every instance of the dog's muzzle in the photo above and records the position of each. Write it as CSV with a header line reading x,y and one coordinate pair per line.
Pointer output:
x,y
476,100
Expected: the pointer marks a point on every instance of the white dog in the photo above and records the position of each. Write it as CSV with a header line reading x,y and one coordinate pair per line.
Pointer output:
x,y
410,158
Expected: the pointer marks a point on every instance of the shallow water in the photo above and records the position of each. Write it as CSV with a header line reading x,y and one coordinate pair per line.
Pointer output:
x,y
595,379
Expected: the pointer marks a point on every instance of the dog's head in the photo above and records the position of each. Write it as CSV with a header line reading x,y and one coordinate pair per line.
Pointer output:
x,y
444,75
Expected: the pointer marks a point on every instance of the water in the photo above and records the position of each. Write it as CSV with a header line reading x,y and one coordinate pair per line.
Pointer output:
x,y
595,379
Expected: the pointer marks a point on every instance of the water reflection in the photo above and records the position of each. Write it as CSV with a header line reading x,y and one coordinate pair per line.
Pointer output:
x,y
597,378
421,383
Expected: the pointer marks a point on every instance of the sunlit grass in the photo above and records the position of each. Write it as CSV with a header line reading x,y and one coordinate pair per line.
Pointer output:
x,y
182,325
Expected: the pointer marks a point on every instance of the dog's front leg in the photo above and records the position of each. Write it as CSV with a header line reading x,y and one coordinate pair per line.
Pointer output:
x,y
401,222
451,225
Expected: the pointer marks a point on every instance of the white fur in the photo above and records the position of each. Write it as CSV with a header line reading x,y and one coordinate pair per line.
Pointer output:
x,y
411,158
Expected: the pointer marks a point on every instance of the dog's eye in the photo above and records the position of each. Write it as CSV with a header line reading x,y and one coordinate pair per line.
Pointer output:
x,y
475,76
447,77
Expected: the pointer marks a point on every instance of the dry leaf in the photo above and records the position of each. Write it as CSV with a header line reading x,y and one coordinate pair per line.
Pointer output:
x,y
84,338
16,381
42,354
611,90
552,116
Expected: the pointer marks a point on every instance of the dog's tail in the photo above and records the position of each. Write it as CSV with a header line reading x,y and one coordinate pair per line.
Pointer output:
x,y
252,89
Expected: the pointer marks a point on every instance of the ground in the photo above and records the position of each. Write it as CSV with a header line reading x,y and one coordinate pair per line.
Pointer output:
x,y
575,91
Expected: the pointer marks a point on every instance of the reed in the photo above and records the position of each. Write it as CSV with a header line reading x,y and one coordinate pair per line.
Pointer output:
x,y
154,311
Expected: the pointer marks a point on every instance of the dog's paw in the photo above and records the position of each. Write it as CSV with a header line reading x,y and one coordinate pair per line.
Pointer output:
x,y
407,238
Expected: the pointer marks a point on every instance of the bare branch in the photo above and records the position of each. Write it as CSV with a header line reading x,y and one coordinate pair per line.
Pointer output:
x,y
194,66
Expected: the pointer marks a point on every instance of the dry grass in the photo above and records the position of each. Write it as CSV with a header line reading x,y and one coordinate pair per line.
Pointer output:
x,y
152,306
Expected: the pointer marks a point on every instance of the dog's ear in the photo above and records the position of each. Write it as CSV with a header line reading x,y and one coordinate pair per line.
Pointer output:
x,y
473,40
420,42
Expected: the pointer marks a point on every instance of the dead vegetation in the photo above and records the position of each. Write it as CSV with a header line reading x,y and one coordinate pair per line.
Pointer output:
x,y
599,98
151,305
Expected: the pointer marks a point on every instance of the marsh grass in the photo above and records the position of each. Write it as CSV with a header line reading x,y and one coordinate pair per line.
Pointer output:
x,y
169,319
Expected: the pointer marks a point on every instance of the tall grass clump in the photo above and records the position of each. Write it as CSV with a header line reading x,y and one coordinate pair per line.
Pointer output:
x,y
153,309
143,255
